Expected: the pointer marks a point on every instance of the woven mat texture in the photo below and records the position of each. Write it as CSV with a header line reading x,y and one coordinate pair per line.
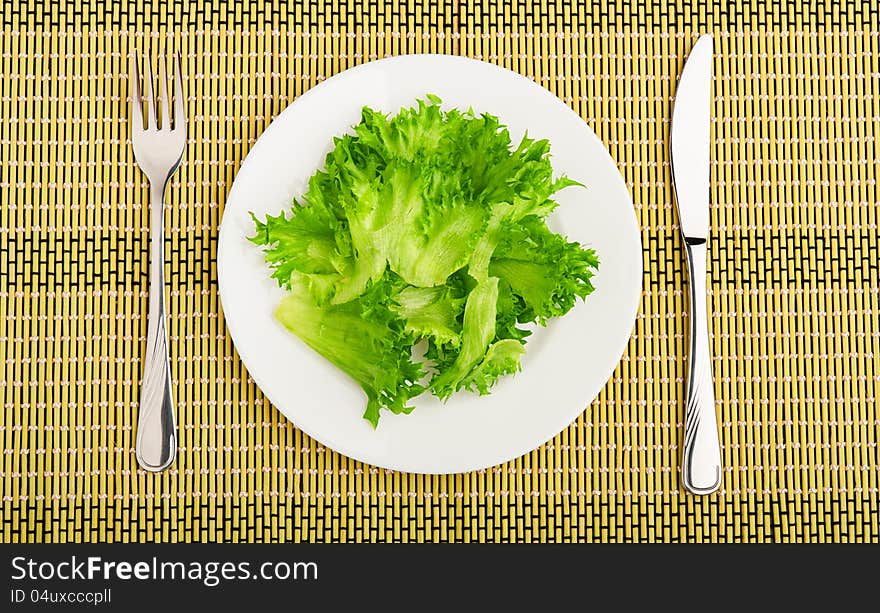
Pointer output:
x,y
793,280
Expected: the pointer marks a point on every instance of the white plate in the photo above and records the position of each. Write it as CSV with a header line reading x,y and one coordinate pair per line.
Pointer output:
x,y
565,365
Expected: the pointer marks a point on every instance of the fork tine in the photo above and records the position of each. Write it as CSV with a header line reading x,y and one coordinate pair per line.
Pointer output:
x,y
179,96
163,91
151,99
136,117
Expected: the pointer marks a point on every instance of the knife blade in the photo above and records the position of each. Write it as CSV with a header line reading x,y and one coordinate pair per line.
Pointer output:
x,y
690,147
691,117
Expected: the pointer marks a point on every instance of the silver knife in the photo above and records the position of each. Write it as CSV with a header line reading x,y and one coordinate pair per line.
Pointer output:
x,y
701,462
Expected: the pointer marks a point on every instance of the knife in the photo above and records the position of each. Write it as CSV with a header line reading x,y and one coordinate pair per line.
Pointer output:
x,y
690,148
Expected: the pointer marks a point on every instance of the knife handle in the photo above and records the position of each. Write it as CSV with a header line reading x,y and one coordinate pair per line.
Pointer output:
x,y
701,466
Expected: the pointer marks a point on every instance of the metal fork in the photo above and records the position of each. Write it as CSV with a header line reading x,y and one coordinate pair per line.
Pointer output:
x,y
158,149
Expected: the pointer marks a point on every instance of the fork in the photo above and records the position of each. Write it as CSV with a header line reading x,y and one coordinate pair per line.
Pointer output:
x,y
158,149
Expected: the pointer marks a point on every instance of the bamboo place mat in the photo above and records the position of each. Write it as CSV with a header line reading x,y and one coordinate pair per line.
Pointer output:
x,y
793,278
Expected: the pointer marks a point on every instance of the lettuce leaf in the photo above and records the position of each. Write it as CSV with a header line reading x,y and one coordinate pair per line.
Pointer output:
x,y
430,312
547,272
362,338
478,330
502,358
425,226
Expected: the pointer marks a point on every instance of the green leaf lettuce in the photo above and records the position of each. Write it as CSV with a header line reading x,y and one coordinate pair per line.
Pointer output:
x,y
425,226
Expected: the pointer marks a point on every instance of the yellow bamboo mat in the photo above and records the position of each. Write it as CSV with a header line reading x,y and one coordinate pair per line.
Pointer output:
x,y
794,290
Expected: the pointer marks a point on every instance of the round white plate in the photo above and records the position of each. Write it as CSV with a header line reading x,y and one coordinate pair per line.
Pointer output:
x,y
565,365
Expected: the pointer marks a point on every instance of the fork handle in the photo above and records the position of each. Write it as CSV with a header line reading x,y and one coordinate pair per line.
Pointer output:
x,y
156,444
701,466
